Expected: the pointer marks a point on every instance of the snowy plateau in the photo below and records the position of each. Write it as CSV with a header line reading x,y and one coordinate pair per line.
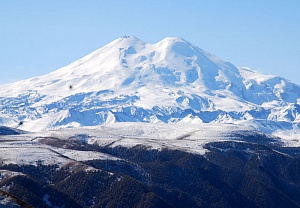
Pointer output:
x,y
150,125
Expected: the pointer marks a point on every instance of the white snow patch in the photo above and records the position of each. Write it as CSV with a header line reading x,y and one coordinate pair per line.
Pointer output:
x,y
85,155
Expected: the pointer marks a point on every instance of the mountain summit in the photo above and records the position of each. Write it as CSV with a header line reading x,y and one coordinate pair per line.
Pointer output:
x,y
172,81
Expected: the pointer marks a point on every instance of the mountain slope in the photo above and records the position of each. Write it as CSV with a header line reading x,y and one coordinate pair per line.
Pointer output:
x,y
150,165
170,81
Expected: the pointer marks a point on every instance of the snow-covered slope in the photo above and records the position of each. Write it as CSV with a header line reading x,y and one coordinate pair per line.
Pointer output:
x,y
57,146
172,81
186,165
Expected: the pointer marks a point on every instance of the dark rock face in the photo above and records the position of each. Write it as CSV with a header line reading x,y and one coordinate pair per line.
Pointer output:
x,y
231,174
10,131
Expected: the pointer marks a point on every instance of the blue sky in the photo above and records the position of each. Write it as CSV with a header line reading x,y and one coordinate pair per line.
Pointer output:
x,y
38,37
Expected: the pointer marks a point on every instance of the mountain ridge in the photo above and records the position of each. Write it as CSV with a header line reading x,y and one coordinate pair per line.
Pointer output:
x,y
175,165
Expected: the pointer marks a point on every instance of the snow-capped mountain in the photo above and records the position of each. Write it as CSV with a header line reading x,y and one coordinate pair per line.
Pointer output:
x,y
172,81
210,152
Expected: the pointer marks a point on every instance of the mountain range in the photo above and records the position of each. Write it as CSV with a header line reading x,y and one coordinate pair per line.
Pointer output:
x,y
181,128
172,81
